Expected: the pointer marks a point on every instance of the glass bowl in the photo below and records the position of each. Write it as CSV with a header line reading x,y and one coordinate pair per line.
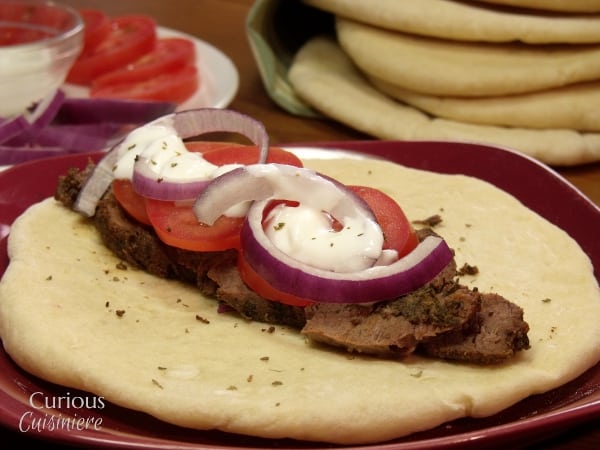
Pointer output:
x,y
39,42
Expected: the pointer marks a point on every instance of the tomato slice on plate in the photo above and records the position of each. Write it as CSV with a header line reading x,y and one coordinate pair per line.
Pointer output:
x,y
23,23
169,54
129,38
398,232
174,86
97,27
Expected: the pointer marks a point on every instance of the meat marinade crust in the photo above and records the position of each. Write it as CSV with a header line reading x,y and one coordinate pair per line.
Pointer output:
x,y
442,319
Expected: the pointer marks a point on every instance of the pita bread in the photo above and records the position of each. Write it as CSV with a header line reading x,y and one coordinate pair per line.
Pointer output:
x,y
324,77
222,372
552,5
466,21
572,107
461,69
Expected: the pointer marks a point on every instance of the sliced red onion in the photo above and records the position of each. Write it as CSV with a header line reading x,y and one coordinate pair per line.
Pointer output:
x,y
72,138
187,124
100,110
263,181
96,185
15,155
147,183
45,111
72,125
194,122
9,128
376,283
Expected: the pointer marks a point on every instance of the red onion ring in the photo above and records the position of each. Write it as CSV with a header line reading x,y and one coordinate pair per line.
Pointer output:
x,y
187,124
263,181
376,283
147,183
10,128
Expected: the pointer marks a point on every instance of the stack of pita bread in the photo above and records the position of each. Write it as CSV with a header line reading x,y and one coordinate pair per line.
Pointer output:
x,y
492,71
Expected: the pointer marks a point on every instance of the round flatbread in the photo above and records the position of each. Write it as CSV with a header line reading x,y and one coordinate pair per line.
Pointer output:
x,y
157,346
466,21
571,107
552,5
324,76
461,69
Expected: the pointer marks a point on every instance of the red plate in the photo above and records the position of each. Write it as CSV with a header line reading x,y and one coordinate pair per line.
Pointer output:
x,y
534,419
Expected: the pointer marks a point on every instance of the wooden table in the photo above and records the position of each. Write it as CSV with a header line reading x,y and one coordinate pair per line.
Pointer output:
x,y
222,23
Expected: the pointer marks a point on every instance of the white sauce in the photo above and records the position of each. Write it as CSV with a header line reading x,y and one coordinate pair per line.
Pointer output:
x,y
306,234
165,154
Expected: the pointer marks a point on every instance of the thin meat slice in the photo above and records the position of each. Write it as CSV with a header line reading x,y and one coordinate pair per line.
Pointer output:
x,y
500,333
396,327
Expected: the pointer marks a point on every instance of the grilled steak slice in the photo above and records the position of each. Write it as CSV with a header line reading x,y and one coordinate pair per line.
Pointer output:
x,y
396,327
442,319
499,334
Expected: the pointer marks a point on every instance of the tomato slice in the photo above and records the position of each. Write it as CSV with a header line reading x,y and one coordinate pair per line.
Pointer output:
x,y
398,232
170,54
97,27
132,202
177,225
23,23
129,38
258,284
174,86
246,154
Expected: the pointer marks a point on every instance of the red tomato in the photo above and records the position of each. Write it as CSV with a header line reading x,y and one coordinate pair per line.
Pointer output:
x,y
398,233
177,225
258,284
97,28
129,38
175,86
132,202
245,154
170,54
36,23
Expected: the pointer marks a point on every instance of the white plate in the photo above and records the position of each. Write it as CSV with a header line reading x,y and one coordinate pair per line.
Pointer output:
x,y
217,75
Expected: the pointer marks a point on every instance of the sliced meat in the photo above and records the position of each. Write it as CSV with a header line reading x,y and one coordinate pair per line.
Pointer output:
x,y
70,184
395,328
499,334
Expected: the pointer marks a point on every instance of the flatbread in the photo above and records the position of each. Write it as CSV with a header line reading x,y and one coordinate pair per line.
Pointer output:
x,y
456,69
85,322
572,107
466,21
324,76
552,5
